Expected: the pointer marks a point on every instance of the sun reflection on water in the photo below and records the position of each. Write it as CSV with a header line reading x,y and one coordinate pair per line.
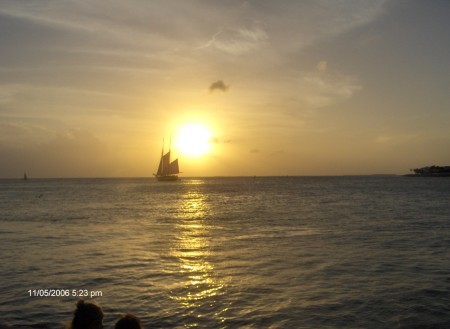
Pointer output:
x,y
198,290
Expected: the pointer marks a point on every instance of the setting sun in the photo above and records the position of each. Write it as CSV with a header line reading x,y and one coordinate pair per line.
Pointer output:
x,y
193,139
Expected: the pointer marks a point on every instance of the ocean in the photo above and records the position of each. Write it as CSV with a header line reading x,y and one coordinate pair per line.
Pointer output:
x,y
244,252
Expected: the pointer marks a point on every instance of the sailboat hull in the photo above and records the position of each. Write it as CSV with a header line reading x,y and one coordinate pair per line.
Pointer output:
x,y
169,178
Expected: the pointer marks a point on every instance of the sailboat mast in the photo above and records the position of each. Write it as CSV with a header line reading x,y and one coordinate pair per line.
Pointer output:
x,y
162,154
170,146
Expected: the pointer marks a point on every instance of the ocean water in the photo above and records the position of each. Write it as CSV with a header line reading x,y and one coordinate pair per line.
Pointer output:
x,y
269,252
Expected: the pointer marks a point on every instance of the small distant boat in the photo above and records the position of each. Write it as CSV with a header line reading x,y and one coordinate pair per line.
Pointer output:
x,y
167,170
25,177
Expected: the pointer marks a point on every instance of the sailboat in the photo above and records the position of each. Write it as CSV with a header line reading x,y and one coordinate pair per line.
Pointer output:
x,y
167,171
25,177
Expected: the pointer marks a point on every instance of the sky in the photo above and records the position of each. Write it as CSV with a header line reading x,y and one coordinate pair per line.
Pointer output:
x,y
322,87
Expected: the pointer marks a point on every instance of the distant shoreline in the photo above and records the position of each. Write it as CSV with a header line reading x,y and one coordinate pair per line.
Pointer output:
x,y
431,171
446,174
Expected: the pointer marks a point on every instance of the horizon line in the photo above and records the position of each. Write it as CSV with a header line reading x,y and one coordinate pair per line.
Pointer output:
x,y
207,176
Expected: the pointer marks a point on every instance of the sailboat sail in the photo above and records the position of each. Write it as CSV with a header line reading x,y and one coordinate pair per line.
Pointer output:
x,y
166,163
173,168
167,170
160,167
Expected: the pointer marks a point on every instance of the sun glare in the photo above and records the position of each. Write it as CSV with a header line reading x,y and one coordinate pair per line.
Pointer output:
x,y
193,140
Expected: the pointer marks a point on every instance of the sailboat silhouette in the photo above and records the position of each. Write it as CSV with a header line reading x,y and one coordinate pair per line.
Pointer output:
x,y
167,170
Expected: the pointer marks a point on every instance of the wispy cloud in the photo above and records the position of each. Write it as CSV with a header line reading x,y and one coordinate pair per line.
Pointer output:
x,y
238,41
239,27
308,90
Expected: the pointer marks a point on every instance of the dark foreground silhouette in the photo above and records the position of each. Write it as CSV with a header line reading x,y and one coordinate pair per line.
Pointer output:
x,y
128,321
87,316
90,316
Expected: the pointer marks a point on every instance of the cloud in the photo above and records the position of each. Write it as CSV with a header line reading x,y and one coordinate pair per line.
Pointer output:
x,y
214,140
309,90
235,29
323,86
237,41
320,91
219,85
322,66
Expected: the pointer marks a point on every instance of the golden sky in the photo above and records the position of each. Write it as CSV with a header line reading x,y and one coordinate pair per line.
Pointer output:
x,y
325,87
